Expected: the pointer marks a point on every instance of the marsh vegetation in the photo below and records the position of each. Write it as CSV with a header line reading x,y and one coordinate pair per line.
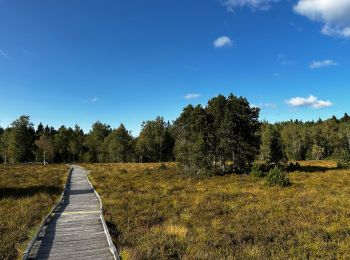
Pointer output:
x,y
158,212
27,194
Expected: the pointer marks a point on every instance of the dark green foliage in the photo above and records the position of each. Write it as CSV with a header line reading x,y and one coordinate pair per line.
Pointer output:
x,y
17,141
223,137
61,144
118,145
257,172
94,141
277,177
155,143
207,138
271,150
240,132
192,147
344,160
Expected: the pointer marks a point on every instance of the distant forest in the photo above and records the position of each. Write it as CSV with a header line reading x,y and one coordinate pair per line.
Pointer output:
x,y
227,131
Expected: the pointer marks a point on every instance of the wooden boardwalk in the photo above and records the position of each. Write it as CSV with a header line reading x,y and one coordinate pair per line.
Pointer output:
x,y
77,229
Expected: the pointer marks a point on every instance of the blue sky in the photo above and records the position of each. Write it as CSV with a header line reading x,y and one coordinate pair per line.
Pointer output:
x,y
67,62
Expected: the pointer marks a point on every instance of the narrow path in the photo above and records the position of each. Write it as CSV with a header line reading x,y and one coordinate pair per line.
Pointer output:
x,y
77,230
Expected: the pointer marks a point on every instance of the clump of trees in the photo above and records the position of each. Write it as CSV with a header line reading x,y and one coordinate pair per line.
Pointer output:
x,y
222,137
155,142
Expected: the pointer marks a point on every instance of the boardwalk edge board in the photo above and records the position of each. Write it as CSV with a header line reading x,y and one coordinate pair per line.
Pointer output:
x,y
112,248
47,218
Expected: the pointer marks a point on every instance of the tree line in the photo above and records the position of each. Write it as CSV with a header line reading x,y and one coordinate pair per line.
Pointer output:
x,y
223,136
21,142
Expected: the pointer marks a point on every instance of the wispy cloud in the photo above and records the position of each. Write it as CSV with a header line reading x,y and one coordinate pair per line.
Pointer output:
x,y
283,59
223,41
322,63
30,53
260,5
310,101
92,100
3,54
265,105
333,14
192,96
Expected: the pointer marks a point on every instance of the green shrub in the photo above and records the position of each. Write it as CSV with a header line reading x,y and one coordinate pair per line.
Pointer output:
x,y
257,171
344,160
343,165
260,170
277,177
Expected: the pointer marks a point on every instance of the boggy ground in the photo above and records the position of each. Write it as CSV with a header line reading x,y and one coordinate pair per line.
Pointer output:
x,y
160,213
27,193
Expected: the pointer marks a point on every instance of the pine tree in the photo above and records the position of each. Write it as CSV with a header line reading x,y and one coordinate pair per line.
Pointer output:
x,y
271,150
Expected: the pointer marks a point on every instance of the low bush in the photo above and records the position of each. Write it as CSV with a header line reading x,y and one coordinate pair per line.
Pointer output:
x,y
277,177
257,172
261,169
343,165
344,160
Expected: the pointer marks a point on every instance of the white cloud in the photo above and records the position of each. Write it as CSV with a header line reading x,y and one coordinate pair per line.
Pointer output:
x,y
3,54
334,14
261,5
310,101
322,63
284,60
192,96
223,41
94,100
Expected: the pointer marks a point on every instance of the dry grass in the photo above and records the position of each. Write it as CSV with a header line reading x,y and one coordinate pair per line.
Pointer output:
x,y
162,214
27,193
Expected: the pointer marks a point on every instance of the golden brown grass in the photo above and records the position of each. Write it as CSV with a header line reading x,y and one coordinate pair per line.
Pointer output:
x,y
27,193
162,214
